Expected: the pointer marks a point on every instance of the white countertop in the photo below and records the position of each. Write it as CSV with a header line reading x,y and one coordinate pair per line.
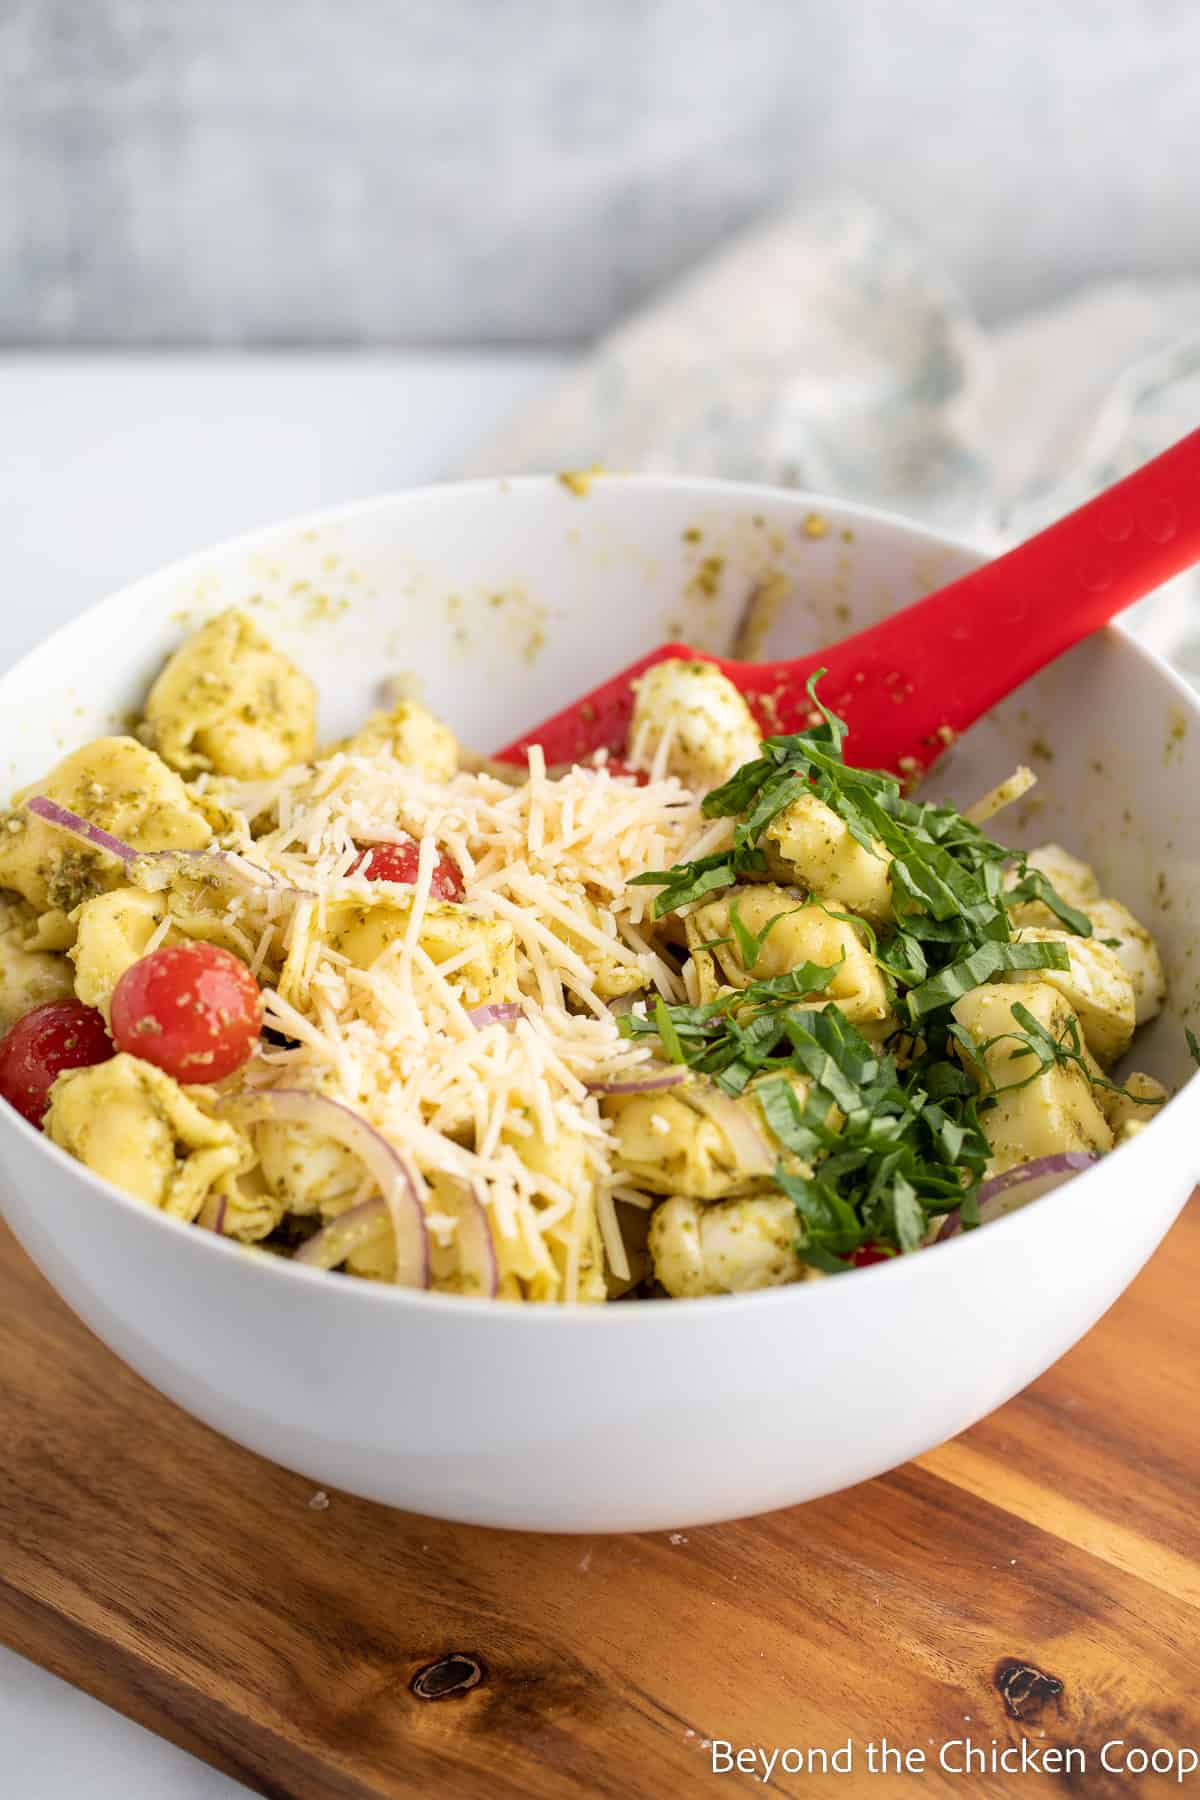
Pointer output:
x,y
110,466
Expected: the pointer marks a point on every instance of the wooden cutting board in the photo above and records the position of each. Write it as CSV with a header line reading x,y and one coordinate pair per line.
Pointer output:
x,y
1034,1581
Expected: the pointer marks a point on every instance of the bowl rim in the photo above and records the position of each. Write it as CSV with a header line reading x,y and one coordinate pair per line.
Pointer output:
x,y
475,1308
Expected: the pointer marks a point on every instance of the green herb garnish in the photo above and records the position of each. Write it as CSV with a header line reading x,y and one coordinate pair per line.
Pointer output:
x,y
750,943
1033,885
970,971
876,1141
667,1034
691,881
741,1034
1049,1052
902,1154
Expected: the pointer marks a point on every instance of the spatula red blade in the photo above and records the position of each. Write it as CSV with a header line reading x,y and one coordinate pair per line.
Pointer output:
x,y
776,692
597,721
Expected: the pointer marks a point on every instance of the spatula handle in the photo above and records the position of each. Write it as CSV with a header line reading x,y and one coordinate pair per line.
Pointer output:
x,y
932,669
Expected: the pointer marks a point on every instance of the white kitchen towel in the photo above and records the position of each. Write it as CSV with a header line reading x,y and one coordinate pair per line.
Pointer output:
x,y
825,349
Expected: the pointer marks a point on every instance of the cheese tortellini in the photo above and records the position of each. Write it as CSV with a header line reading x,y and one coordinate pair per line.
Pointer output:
x,y
1114,927
1074,880
790,932
412,735
808,844
114,930
1057,1109
1133,1107
562,1172
229,702
307,1169
730,1248
135,1126
363,930
1136,952
28,978
115,783
665,1146
695,1140
1096,985
709,728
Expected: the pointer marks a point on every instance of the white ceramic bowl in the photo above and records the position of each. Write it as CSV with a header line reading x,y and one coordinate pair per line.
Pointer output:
x,y
507,599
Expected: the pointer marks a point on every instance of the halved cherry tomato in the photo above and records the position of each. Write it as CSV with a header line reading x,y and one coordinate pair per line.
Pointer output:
x,y
63,1034
617,766
399,862
193,1010
866,1254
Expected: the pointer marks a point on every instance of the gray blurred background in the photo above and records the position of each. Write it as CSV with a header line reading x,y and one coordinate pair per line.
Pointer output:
x,y
345,172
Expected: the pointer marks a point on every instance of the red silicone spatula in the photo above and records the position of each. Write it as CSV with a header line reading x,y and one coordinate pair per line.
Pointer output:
x,y
912,683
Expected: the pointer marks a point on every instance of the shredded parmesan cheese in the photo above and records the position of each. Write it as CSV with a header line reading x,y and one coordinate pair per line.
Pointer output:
x,y
548,920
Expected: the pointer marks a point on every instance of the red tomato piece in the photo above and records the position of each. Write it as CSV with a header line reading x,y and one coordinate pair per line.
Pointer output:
x,y
866,1254
63,1034
399,862
618,767
193,1010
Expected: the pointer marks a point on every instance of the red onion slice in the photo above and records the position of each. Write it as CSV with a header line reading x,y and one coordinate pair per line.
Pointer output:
x,y
377,1156
155,869
330,1247
54,814
1016,1187
211,1216
651,1078
507,1012
624,1003
751,1151
152,869
476,1252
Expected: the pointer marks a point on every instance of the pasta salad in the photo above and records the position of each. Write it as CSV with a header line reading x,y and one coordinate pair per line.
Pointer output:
x,y
714,1014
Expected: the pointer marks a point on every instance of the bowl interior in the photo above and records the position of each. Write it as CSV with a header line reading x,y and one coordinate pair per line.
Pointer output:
x,y
501,600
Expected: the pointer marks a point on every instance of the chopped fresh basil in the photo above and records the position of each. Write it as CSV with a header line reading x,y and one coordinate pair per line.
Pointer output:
x,y
668,1036
990,959
876,1141
691,881
1034,886
1050,1052
750,943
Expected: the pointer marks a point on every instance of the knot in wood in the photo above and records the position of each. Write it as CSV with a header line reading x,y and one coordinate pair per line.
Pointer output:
x,y
1024,1689
452,1674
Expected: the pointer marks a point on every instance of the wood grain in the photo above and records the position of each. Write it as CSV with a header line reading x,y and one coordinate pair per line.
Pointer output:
x,y
196,1588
